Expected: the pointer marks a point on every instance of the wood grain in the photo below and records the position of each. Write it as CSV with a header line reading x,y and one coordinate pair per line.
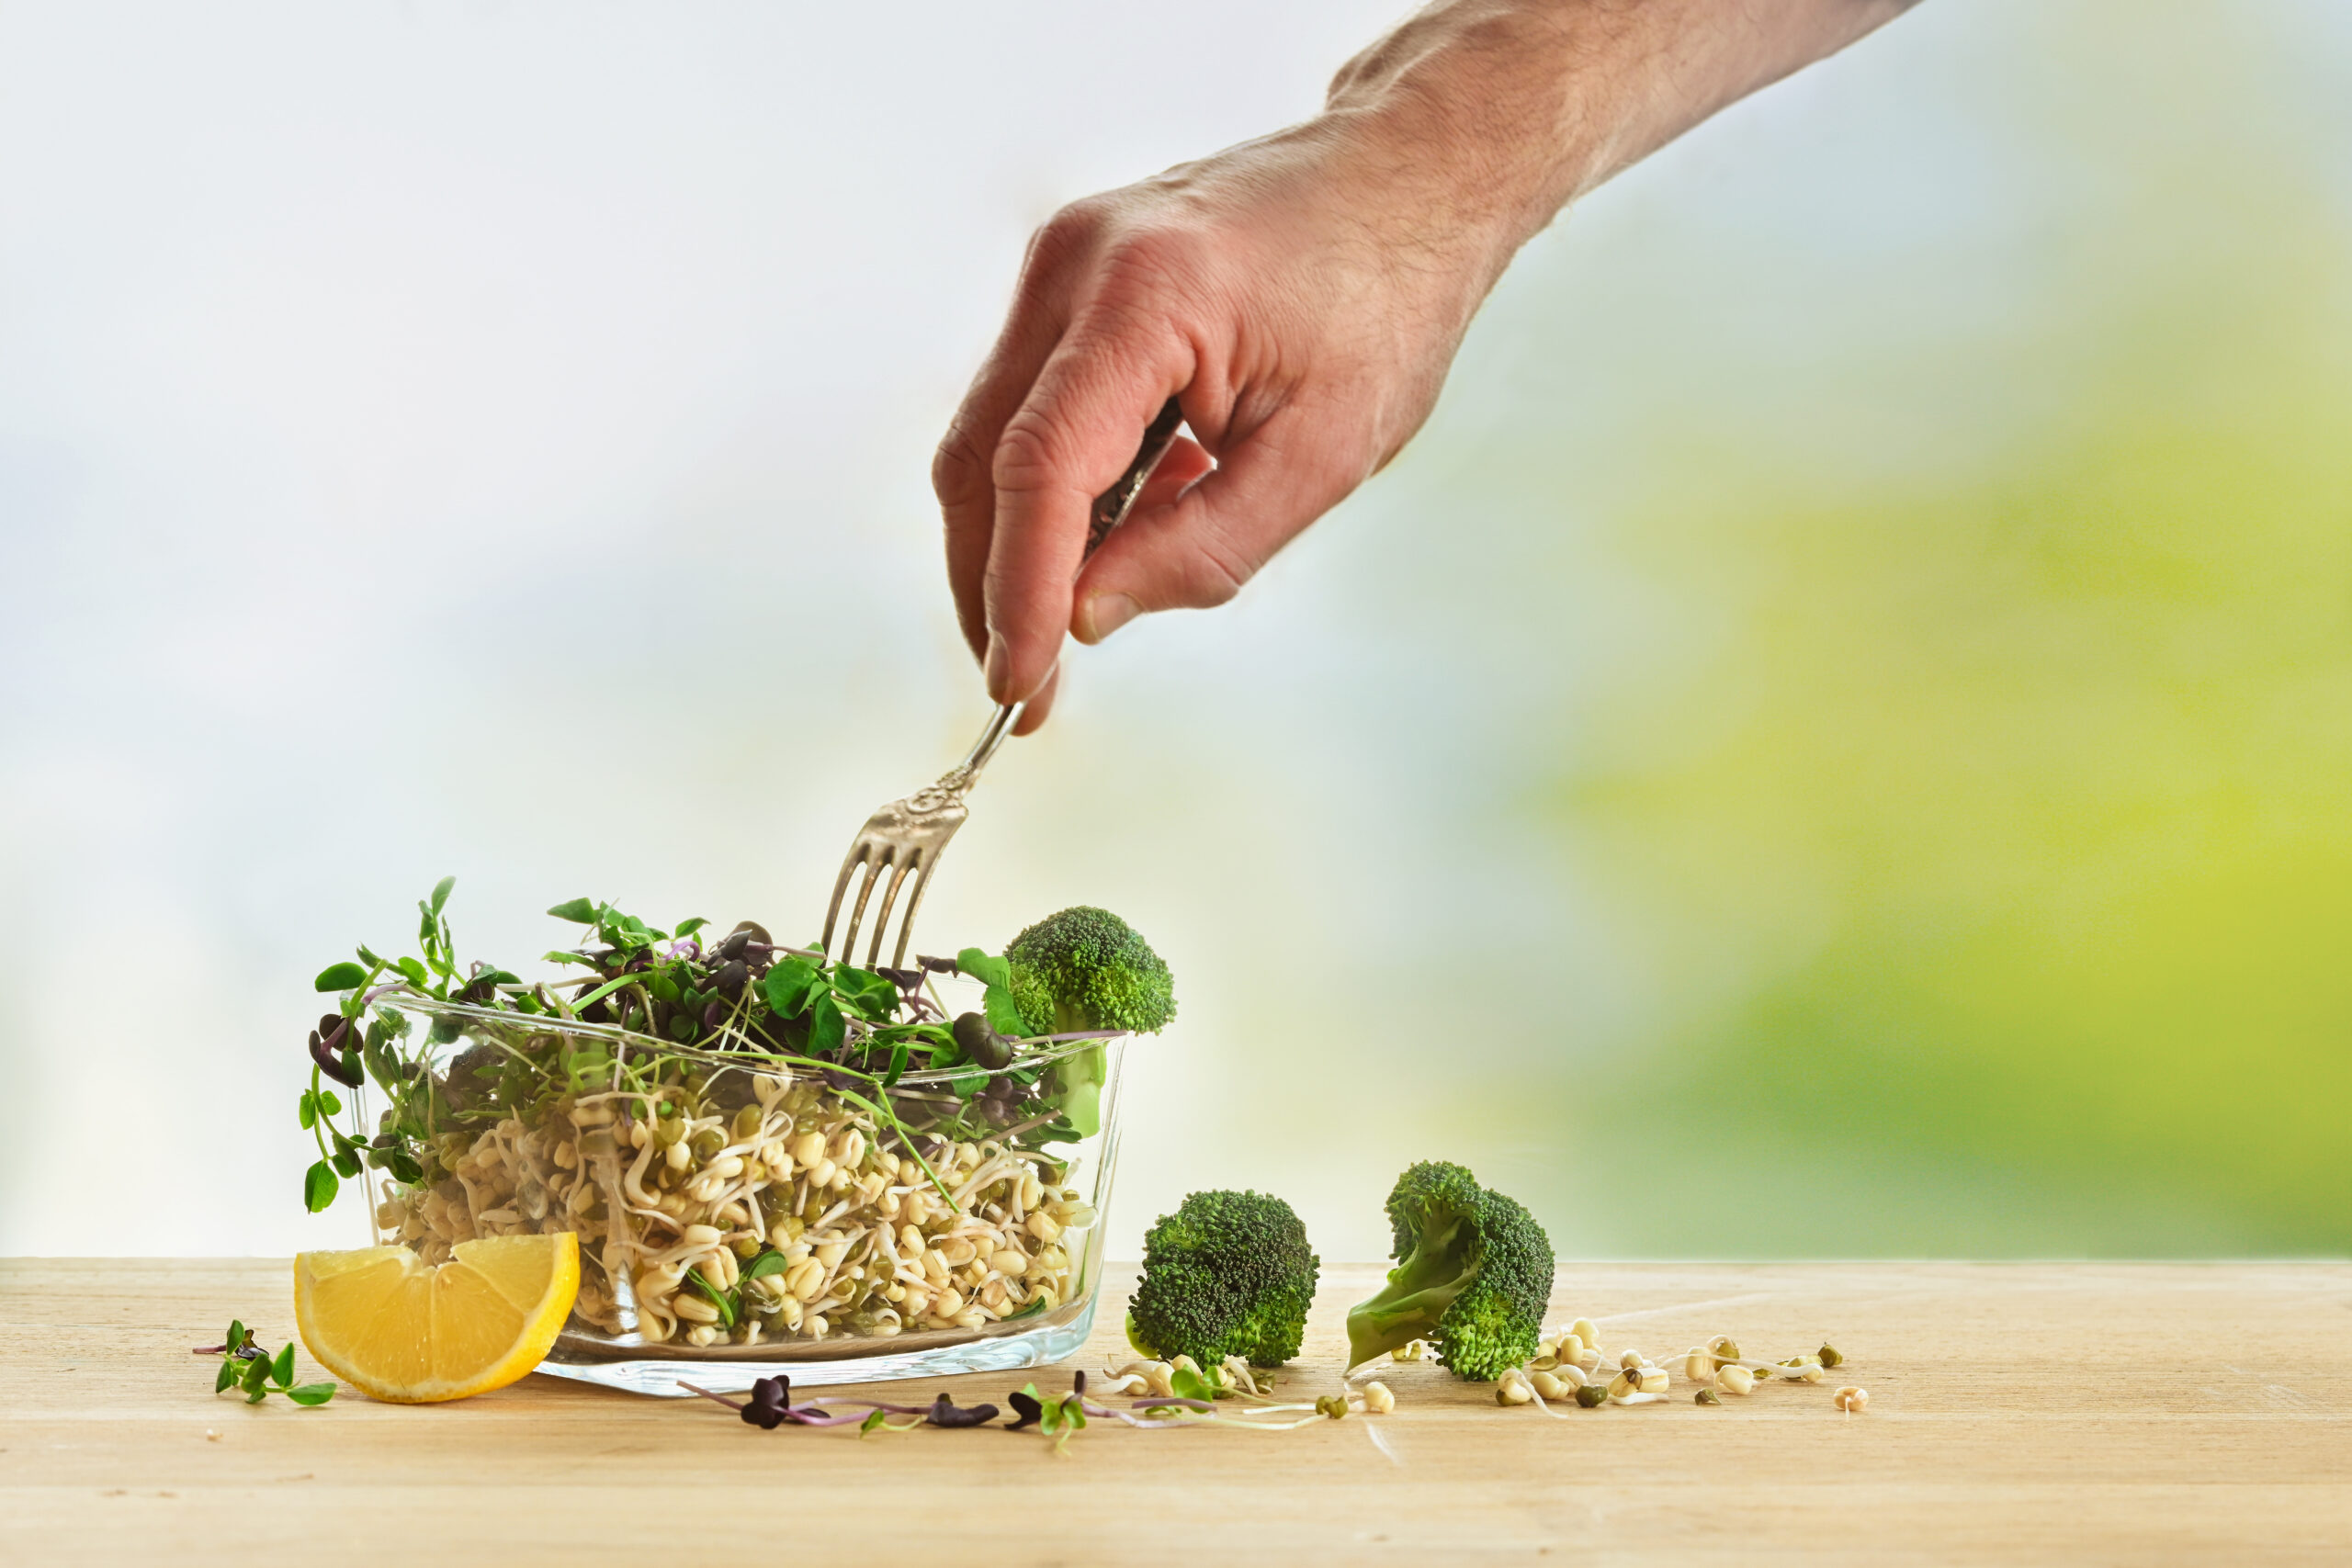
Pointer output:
x,y
2061,1414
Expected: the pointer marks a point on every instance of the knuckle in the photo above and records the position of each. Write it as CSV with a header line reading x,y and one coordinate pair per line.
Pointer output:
x,y
957,469
1219,569
1152,262
1065,238
1028,455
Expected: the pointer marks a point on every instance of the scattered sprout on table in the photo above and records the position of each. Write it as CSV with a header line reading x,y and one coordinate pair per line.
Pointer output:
x,y
256,1374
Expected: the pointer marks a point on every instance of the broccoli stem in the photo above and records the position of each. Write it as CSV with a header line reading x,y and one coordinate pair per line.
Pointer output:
x,y
1418,1292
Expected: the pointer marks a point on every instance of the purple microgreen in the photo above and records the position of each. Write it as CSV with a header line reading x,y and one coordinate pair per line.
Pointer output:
x,y
698,1388
945,1411
1028,1404
326,1043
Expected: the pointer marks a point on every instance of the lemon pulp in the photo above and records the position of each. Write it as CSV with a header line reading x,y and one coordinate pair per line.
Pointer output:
x,y
398,1329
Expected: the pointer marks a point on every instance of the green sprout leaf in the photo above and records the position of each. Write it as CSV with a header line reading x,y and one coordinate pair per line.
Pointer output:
x,y
826,1028
579,911
867,993
714,1295
789,984
228,1374
606,990
307,1112
688,928
441,893
319,1187
311,1393
343,976
414,973
985,967
873,1419
281,1371
1186,1383
1004,1015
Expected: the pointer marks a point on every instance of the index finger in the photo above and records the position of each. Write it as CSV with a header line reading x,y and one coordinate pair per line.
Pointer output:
x,y
1069,441
960,469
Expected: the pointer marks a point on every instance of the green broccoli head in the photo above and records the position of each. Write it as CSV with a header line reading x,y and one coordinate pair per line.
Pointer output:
x,y
1227,1274
1472,1276
1086,968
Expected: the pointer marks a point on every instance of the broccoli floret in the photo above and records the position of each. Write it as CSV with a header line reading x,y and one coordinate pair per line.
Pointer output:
x,y
1086,968
1472,1276
1227,1274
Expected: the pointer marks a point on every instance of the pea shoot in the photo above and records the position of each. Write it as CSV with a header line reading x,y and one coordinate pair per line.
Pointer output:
x,y
256,1374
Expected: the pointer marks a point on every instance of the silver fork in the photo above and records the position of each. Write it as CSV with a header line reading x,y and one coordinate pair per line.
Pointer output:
x,y
906,836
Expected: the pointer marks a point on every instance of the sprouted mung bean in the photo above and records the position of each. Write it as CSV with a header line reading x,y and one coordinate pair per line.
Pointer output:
x,y
786,1217
1568,1366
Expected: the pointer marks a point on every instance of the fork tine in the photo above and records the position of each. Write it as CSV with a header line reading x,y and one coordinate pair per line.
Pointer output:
x,y
857,851
925,862
877,863
900,864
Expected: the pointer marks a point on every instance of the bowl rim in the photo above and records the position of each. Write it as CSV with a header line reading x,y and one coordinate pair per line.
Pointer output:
x,y
1059,1049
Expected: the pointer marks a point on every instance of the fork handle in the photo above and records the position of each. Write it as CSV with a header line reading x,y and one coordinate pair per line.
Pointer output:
x,y
1110,510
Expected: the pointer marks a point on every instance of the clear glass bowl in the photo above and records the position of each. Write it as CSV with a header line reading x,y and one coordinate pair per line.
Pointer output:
x,y
740,1218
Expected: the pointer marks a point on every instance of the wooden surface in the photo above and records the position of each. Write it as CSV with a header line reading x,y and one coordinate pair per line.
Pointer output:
x,y
2062,1413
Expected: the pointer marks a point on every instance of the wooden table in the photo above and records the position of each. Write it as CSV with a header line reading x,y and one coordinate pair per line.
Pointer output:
x,y
2063,1414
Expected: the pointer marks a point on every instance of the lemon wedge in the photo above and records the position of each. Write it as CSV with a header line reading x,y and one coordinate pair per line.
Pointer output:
x,y
396,1329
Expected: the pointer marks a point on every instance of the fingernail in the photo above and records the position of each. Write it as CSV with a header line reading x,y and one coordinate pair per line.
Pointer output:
x,y
997,671
1106,613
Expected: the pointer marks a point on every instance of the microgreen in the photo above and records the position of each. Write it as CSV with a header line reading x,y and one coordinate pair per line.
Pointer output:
x,y
1055,1418
256,1374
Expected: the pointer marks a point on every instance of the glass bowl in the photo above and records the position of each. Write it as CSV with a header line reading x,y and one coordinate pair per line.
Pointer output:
x,y
741,1217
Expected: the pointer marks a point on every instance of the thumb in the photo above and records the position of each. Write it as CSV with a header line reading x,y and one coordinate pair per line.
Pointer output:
x,y
1196,551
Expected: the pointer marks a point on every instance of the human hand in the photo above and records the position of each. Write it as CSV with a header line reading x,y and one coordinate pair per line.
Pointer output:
x,y
1302,295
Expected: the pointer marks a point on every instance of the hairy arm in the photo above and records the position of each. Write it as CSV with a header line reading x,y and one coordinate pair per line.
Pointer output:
x,y
1302,295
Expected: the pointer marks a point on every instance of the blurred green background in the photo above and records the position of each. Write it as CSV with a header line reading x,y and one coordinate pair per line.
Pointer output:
x,y
1837,739
1955,782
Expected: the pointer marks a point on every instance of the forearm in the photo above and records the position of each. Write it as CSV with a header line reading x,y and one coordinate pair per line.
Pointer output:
x,y
1506,111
